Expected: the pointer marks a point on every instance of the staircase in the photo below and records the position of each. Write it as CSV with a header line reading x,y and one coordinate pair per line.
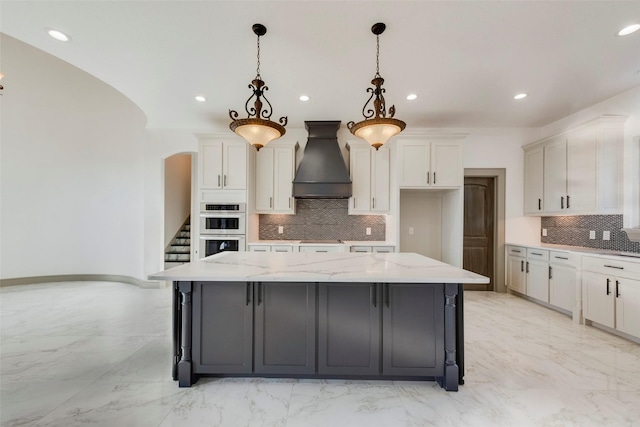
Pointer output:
x,y
179,251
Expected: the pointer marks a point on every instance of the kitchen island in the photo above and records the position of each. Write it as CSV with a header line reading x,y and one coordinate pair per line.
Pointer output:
x,y
319,315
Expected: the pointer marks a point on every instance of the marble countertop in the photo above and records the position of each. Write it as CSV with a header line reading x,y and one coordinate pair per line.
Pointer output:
x,y
320,267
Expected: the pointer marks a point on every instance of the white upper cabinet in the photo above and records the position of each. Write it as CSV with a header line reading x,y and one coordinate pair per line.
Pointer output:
x,y
369,172
222,165
534,180
275,170
430,164
581,170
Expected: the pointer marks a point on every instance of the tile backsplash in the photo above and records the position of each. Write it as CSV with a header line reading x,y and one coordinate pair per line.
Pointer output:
x,y
322,219
574,231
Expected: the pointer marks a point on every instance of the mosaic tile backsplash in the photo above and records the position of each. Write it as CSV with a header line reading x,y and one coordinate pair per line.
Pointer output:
x,y
322,219
574,231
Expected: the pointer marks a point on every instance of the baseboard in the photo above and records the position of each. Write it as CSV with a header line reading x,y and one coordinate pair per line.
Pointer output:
x,y
145,284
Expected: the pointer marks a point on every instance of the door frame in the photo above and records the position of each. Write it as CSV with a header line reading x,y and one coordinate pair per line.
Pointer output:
x,y
499,175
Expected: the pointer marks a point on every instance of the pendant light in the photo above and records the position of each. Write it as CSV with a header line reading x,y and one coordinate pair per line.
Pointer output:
x,y
258,128
377,128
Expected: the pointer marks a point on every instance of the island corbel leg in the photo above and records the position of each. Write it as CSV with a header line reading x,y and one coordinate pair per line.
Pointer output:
x,y
451,371
185,369
177,330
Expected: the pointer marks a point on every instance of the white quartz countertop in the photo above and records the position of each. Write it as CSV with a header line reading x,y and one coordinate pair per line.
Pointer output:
x,y
628,256
346,243
320,267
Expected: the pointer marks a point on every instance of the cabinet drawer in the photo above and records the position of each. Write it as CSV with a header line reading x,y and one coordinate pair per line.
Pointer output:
x,y
322,248
517,251
540,254
281,248
259,248
563,258
361,249
384,249
612,266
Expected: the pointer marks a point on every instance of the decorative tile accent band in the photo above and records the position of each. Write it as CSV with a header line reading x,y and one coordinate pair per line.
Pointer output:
x,y
322,219
574,231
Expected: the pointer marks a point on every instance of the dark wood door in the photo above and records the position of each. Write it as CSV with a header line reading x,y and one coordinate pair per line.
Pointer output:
x,y
479,212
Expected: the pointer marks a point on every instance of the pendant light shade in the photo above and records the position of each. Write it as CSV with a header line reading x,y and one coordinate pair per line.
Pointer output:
x,y
377,128
257,128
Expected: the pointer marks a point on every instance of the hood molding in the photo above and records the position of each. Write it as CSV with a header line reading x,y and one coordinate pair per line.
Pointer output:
x,y
322,173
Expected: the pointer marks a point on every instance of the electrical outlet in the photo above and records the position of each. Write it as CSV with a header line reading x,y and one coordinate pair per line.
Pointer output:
x,y
592,235
606,235
544,232
368,231
280,229
410,230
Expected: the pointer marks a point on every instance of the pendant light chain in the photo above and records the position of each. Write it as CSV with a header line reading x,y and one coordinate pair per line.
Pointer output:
x,y
258,67
378,55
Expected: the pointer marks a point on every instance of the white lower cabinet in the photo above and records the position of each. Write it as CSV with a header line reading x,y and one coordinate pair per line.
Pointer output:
x,y
377,249
562,280
270,248
516,278
611,293
537,270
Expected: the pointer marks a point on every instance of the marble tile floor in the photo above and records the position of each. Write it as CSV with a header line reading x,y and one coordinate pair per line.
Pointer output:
x,y
96,353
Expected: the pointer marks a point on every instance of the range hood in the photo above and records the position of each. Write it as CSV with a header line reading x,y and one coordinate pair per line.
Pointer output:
x,y
322,173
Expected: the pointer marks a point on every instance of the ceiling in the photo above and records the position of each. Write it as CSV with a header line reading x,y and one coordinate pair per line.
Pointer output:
x,y
464,60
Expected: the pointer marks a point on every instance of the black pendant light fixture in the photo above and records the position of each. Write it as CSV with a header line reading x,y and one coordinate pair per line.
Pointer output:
x,y
258,128
377,128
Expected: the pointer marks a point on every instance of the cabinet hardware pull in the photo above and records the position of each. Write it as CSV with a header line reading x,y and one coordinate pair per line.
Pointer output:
x,y
617,291
561,257
354,203
218,180
614,266
248,293
539,204
608,291
387,294
373,290
567,201
527,266
270,202
562,202
259,293
521,266
516,250
374,203
322,251
428,177
550,273
536,253
434,177
225,180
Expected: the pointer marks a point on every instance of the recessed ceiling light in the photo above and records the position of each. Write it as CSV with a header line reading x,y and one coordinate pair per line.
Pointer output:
x,y
58,35
303,98
520,96
200,98
412,96
629,29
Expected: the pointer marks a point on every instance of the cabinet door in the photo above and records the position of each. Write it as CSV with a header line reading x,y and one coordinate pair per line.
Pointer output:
x,y
447,169
538,280
414,164
360,165
349,329
235,166
582,172
534,181
222,327
264,180
210,165
380,180
628,306
285,328
555,176
283,174
598,296
413,329
259,248
562,286
516,274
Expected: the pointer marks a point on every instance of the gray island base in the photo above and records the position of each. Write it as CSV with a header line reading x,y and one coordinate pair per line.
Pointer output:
x,y
319,315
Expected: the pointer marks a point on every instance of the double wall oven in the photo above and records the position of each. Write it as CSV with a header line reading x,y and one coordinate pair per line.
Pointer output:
x,y
222,228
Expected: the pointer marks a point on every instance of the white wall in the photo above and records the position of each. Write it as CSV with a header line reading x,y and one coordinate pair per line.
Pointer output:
x,y
71,170
159,145
177,194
